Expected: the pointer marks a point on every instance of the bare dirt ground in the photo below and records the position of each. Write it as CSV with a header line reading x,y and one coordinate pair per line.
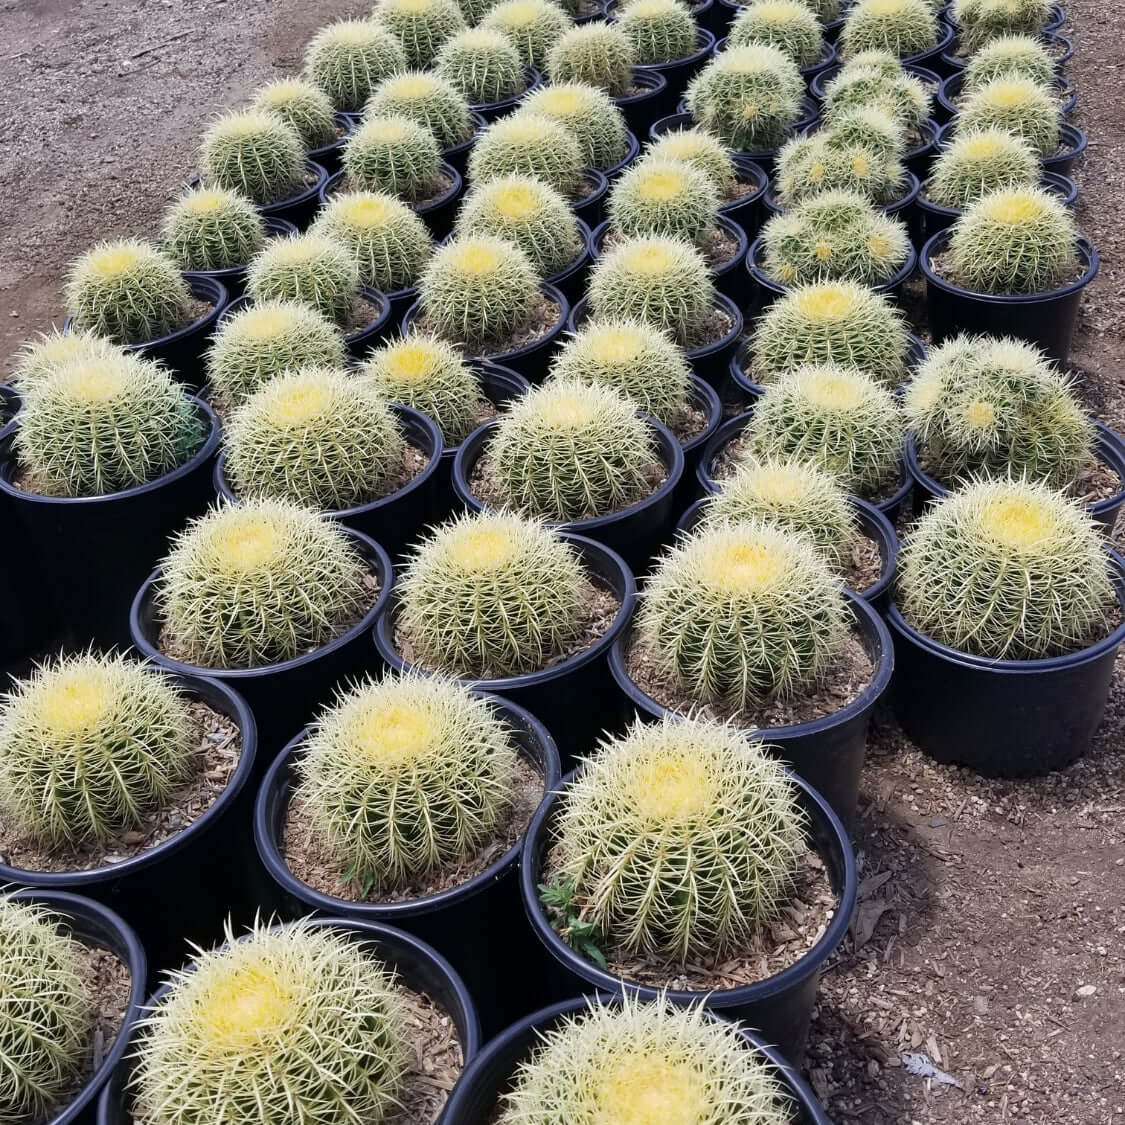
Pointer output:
x,y
991,936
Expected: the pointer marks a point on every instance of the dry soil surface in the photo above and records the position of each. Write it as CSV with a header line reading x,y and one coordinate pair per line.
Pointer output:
x,y
989,948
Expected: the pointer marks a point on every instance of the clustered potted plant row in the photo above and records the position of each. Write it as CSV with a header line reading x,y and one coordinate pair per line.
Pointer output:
x,y
496,463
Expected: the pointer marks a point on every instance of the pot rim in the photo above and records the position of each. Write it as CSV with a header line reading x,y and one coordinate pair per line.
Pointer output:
x,y
1070,137
276,227
723,223
533,79
758,273
701,52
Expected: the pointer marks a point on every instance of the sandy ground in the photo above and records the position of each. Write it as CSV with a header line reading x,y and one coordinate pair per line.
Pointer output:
x,y
991,936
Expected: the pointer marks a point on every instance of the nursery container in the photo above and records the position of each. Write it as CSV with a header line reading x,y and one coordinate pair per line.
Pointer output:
x,y
747,210
571,280
918,155
704,398
1072,145
632,151
300,208
646,103
679,72
458,154
328,156
437,213
818,84
233,278
936,217
951,90
490,111
590,208
932,56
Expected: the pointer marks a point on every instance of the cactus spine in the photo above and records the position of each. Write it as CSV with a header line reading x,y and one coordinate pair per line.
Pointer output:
x,y
255,153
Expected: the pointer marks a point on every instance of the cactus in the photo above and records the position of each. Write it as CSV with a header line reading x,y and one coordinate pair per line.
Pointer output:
x,y
258,583
403,777
825,161
311,268
427,99
869,126
826,11
395,155
422,27
632,358
884,62
901,95
660,31
837,322
127,291
596,54
1010,56
665,799
981,21
254,153
265,340
834,418
348,59
489,596
389,242
302,105
478,289
529,144
834,236
665,197
978,163
1007,570
571,451
533,26
46,1015
1022,240
997,407
749,97
527,212
429,374
700,148
103,424
743,613
661,281
900,27
91,745
474,11
322,438
38,358
589,113
296,1023
1018,106
482,65
788,25
212,229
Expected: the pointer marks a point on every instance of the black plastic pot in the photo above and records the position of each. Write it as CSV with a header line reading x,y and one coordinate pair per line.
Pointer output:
x,y
328,156
679,72
747,210
951,90
1047,320
647,105
1071,148
282,696
233,279
532,360
360,342
416,965
94,925
1003,718
183,889
479,926
595,10
952,60
458,155
571,281
632,150
476,1097
931,57
591,207
703,397
299,209
489,111
778,1008
551,694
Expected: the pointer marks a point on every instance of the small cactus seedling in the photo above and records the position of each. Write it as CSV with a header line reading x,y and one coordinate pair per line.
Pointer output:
x,y
665,197
571,451
255,153
1022,240
212,229
40,357
429,374
302,105
980,162
632,358
526,211
312,268
533,26
787,24
318,437
901,95
661,281
900,27
742,613
393,154
422,27
477,289
1008,570
295,1023
427,99
660,31
91,745
661,800
266,339
127,291
597,54
529,144
1018,106
403,777
699,148
993,406
835,322
258,583
488,596
482,65
807,166
103,424
982,21
46,1017
835,418
1010,56
389,242
590,114
749,97
646,1064
348,59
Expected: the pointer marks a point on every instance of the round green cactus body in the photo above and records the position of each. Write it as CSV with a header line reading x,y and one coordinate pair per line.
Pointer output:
x,y
901,95
660,31
348,59
664,197
427,99
787,24
869,126
1010,56
212,229
533,26
49,351
258,583
886,63
597,54
422,27
312,268
529,144
302,105
1019,106
699,148
900,27
1008,570
389,242
742,613
289,1023
255,153
978,163
266,339
981,21
393,154
590,114
825,161
489,596
482,65
127,291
